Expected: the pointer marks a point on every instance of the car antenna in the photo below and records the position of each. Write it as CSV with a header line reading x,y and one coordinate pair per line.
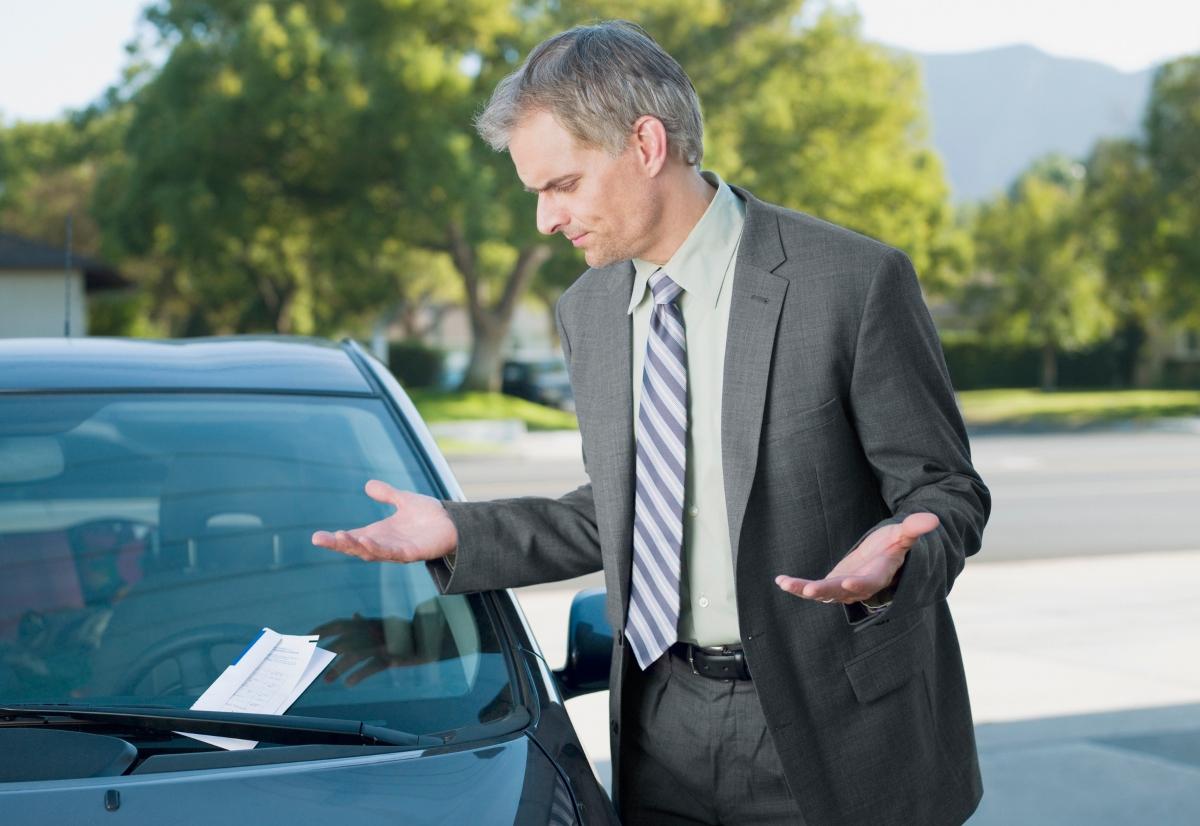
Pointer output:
x,y
67,281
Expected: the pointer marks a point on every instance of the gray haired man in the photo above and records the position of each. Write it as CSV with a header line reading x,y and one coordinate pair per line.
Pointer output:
x,y
781,491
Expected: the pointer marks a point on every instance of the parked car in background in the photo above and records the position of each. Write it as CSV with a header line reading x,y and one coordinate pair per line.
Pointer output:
x,y
541,380
157,501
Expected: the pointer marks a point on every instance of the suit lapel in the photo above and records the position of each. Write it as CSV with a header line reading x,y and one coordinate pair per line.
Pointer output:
x,y
612,467
750,342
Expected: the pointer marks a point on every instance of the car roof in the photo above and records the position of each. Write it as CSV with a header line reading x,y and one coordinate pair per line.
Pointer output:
x,y
241,363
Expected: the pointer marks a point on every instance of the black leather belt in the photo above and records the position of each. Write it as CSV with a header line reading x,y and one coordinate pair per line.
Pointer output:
x,y
722,662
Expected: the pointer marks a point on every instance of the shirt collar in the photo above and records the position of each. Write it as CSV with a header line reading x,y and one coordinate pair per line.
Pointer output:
x,y
702,260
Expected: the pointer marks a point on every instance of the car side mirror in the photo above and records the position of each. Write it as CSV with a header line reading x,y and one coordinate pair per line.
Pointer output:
x,y
589,646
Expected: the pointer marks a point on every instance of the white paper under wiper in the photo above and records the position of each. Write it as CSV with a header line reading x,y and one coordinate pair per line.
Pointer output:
x,y
266,679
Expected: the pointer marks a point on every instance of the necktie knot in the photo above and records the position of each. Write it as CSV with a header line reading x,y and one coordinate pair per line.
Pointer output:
x,y
664,289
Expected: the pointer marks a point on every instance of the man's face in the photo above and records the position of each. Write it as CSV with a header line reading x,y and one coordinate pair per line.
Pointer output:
x,y
607,206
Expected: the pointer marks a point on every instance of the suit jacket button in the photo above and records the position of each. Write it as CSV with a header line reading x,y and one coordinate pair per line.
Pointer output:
x,y
616,728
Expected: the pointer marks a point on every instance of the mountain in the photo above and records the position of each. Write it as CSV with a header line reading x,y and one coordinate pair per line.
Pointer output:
x,y
993,111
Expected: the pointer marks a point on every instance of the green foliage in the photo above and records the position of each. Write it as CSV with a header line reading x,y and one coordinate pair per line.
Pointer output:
x,y
437,406
49,170
122,313
415,364
1074,408
1119,208
1041,281
975,363
310,166
288,153
808,116
1172,125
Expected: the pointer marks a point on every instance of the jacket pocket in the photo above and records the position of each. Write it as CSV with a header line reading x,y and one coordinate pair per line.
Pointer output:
x,y
891,664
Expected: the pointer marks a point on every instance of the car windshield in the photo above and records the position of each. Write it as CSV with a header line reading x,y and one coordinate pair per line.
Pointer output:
x,y
146,538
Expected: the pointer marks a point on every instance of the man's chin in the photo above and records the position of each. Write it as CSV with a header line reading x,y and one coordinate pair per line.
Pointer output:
x,y
598,259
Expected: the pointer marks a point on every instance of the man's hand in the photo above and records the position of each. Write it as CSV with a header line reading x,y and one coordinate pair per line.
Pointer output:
x,y
418,530
869,568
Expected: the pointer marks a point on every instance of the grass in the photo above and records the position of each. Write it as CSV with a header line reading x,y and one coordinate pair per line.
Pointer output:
x,y
981,408
466,447
436,406
1074,408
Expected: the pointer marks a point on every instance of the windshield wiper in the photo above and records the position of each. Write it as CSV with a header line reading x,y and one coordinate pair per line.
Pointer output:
x,y
287,729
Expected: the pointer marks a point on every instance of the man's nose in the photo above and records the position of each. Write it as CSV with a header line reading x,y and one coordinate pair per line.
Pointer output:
x,y
550,217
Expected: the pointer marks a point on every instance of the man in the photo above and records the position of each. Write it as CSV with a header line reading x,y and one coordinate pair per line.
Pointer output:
x,y
781,492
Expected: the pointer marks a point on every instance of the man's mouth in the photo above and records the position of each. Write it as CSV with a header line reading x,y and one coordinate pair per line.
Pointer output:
x,y
575,240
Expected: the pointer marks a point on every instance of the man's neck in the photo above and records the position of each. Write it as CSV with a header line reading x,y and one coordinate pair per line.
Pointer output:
x,y
683,208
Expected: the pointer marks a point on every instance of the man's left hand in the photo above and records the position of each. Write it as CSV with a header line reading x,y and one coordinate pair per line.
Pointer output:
x,y
869,568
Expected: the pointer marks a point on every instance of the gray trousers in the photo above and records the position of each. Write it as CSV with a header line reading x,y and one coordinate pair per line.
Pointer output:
x,y
700,752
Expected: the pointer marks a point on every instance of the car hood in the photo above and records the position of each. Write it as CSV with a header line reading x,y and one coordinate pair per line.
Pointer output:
x,y
503,782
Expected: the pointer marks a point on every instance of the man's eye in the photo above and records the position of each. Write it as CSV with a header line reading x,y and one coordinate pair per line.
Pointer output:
x,y
567,187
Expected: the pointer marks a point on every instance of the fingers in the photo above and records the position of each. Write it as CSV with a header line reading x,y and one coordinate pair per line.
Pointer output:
x,y
383,492
343,541
376,665
344,662
843,589
917,525
819,590
361,546
337,541
352,543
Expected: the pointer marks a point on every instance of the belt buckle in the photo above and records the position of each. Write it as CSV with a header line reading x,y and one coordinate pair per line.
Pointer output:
x,y
716,650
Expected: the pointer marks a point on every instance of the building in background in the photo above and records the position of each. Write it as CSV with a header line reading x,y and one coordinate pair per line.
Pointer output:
x,y
36,288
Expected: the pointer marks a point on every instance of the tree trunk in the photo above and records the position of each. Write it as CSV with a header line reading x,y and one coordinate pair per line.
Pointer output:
x,y
490,322
483,370
1049,367
1152,356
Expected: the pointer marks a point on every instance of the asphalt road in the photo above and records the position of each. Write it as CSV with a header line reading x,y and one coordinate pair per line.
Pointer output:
x,y
1054,495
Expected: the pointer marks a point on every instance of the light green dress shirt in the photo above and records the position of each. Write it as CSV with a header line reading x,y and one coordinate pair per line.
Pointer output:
x,y
703,267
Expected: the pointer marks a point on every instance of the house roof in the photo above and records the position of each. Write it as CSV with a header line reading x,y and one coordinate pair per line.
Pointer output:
x,y
18,253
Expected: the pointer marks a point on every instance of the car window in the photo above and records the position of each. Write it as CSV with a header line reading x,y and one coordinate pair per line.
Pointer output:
x,y
145,538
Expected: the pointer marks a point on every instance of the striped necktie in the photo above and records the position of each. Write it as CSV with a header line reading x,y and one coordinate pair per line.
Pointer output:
x,y
661,456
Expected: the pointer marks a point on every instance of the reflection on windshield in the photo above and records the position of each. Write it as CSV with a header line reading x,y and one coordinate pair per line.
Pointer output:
x,y
145,539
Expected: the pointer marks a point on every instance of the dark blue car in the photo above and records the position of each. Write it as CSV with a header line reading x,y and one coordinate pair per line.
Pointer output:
x,y
157,501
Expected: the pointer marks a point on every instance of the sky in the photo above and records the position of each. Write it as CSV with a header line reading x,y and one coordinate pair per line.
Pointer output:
x,y
60,54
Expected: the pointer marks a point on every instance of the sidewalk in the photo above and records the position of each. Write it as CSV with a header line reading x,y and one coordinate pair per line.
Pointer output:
x,y
1085,684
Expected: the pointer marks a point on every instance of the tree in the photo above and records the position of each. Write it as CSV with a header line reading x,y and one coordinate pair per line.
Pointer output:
x,y
48,171
287,153
1119,207
231,166
1141,202
807,115
1041,281
1172,146
293,159
819,120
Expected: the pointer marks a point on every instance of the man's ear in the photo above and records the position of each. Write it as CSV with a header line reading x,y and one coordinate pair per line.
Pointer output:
x,y
649,141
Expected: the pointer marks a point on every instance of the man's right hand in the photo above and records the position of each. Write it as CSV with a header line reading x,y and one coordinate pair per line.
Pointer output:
x,y
419,530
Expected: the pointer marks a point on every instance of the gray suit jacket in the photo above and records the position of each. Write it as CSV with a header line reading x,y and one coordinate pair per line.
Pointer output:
x,y
837,416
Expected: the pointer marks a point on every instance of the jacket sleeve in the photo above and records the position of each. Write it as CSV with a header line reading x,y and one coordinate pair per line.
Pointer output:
x,y
913,436
507,543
